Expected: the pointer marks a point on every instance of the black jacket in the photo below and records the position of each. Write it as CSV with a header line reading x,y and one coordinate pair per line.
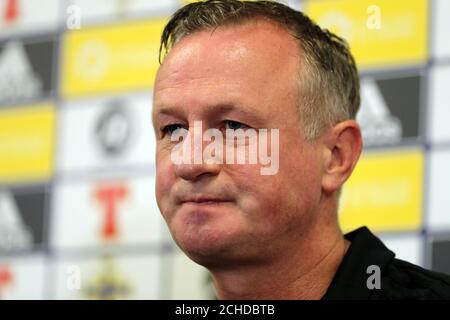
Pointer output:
x,y
399,279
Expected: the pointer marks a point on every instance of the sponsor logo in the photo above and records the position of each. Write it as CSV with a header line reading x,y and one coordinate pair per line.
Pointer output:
x,y
17,78
113,129
108,283
109,197
377,123
6,279
384,192
390,109
111,58
388,33
26,143
14,234
11,11
22,212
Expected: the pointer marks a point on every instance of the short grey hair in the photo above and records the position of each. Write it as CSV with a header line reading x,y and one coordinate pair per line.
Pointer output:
x,y
329,87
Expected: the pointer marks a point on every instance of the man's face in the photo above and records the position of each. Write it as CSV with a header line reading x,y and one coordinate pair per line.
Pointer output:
x,y
243,76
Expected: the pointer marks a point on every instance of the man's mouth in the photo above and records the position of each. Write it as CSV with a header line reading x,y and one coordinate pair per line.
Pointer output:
x,y
205,201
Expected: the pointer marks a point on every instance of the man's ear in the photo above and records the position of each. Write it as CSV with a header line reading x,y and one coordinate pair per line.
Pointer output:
x,y
342,146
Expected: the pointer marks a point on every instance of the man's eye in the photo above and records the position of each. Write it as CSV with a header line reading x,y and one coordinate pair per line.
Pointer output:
x,y
170,129
235,125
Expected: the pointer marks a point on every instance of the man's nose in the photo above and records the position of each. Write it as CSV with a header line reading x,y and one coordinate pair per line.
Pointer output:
x,y
198,163
195,172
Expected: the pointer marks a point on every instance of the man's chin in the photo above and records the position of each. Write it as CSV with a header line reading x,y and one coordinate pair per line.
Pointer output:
x,y
202,243
207,249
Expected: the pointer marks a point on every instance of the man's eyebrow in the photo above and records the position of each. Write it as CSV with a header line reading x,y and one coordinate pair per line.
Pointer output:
x,y
169,111
208,110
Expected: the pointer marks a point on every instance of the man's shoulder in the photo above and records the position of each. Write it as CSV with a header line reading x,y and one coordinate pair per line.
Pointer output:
x,y
404,280
357,278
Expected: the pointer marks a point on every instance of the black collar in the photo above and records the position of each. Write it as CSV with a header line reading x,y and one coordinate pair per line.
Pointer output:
x,y
350,281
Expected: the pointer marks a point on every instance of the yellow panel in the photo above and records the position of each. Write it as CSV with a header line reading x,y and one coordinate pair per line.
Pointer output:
x,y
26,143
399,38
384,192
111,58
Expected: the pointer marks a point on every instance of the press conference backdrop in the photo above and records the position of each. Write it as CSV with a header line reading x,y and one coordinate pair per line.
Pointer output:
x,y
78,218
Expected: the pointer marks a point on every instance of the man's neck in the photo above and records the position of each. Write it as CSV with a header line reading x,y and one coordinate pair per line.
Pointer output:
x,y
304,274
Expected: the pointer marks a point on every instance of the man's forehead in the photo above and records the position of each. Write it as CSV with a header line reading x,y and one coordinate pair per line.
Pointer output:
x,y
238,47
